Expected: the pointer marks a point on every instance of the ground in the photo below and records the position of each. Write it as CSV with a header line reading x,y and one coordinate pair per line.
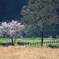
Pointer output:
x,y
17,52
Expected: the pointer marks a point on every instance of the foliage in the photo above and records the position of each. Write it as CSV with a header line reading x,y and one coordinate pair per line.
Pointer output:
x,y
39,14
11,30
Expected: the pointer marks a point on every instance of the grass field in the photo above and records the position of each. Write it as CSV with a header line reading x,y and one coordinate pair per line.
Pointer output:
x,y
31,40
33,52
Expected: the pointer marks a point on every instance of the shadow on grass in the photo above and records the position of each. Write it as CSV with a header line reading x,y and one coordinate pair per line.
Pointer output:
x,y
8,44
24,43
54,45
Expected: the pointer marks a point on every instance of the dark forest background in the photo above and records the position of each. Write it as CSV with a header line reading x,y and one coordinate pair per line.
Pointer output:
x,y
10,9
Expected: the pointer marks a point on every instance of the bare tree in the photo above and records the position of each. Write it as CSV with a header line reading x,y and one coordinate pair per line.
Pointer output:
x,y
11,30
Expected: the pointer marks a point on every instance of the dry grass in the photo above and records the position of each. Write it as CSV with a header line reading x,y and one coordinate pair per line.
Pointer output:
x,y
17,52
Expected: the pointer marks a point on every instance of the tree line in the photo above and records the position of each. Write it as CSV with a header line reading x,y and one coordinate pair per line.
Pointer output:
x,y
37,15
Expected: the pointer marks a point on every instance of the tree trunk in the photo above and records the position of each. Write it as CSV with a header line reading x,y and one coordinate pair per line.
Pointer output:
x,y
42,38
12,42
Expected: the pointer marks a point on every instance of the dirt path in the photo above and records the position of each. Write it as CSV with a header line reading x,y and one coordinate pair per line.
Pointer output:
x,y
17,52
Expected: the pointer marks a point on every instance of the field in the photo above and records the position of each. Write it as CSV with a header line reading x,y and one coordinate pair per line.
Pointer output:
x,y
8,40
34,52
17,52
22,41
31,40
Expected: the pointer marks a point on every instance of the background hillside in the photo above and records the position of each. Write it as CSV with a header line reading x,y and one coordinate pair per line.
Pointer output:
x,y
10,9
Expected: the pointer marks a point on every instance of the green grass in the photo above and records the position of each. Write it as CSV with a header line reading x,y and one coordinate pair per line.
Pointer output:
x,y
28,40
55,45
31,40
5,40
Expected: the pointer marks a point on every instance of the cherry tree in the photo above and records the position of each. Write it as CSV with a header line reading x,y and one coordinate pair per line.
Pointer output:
x,y
11,30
